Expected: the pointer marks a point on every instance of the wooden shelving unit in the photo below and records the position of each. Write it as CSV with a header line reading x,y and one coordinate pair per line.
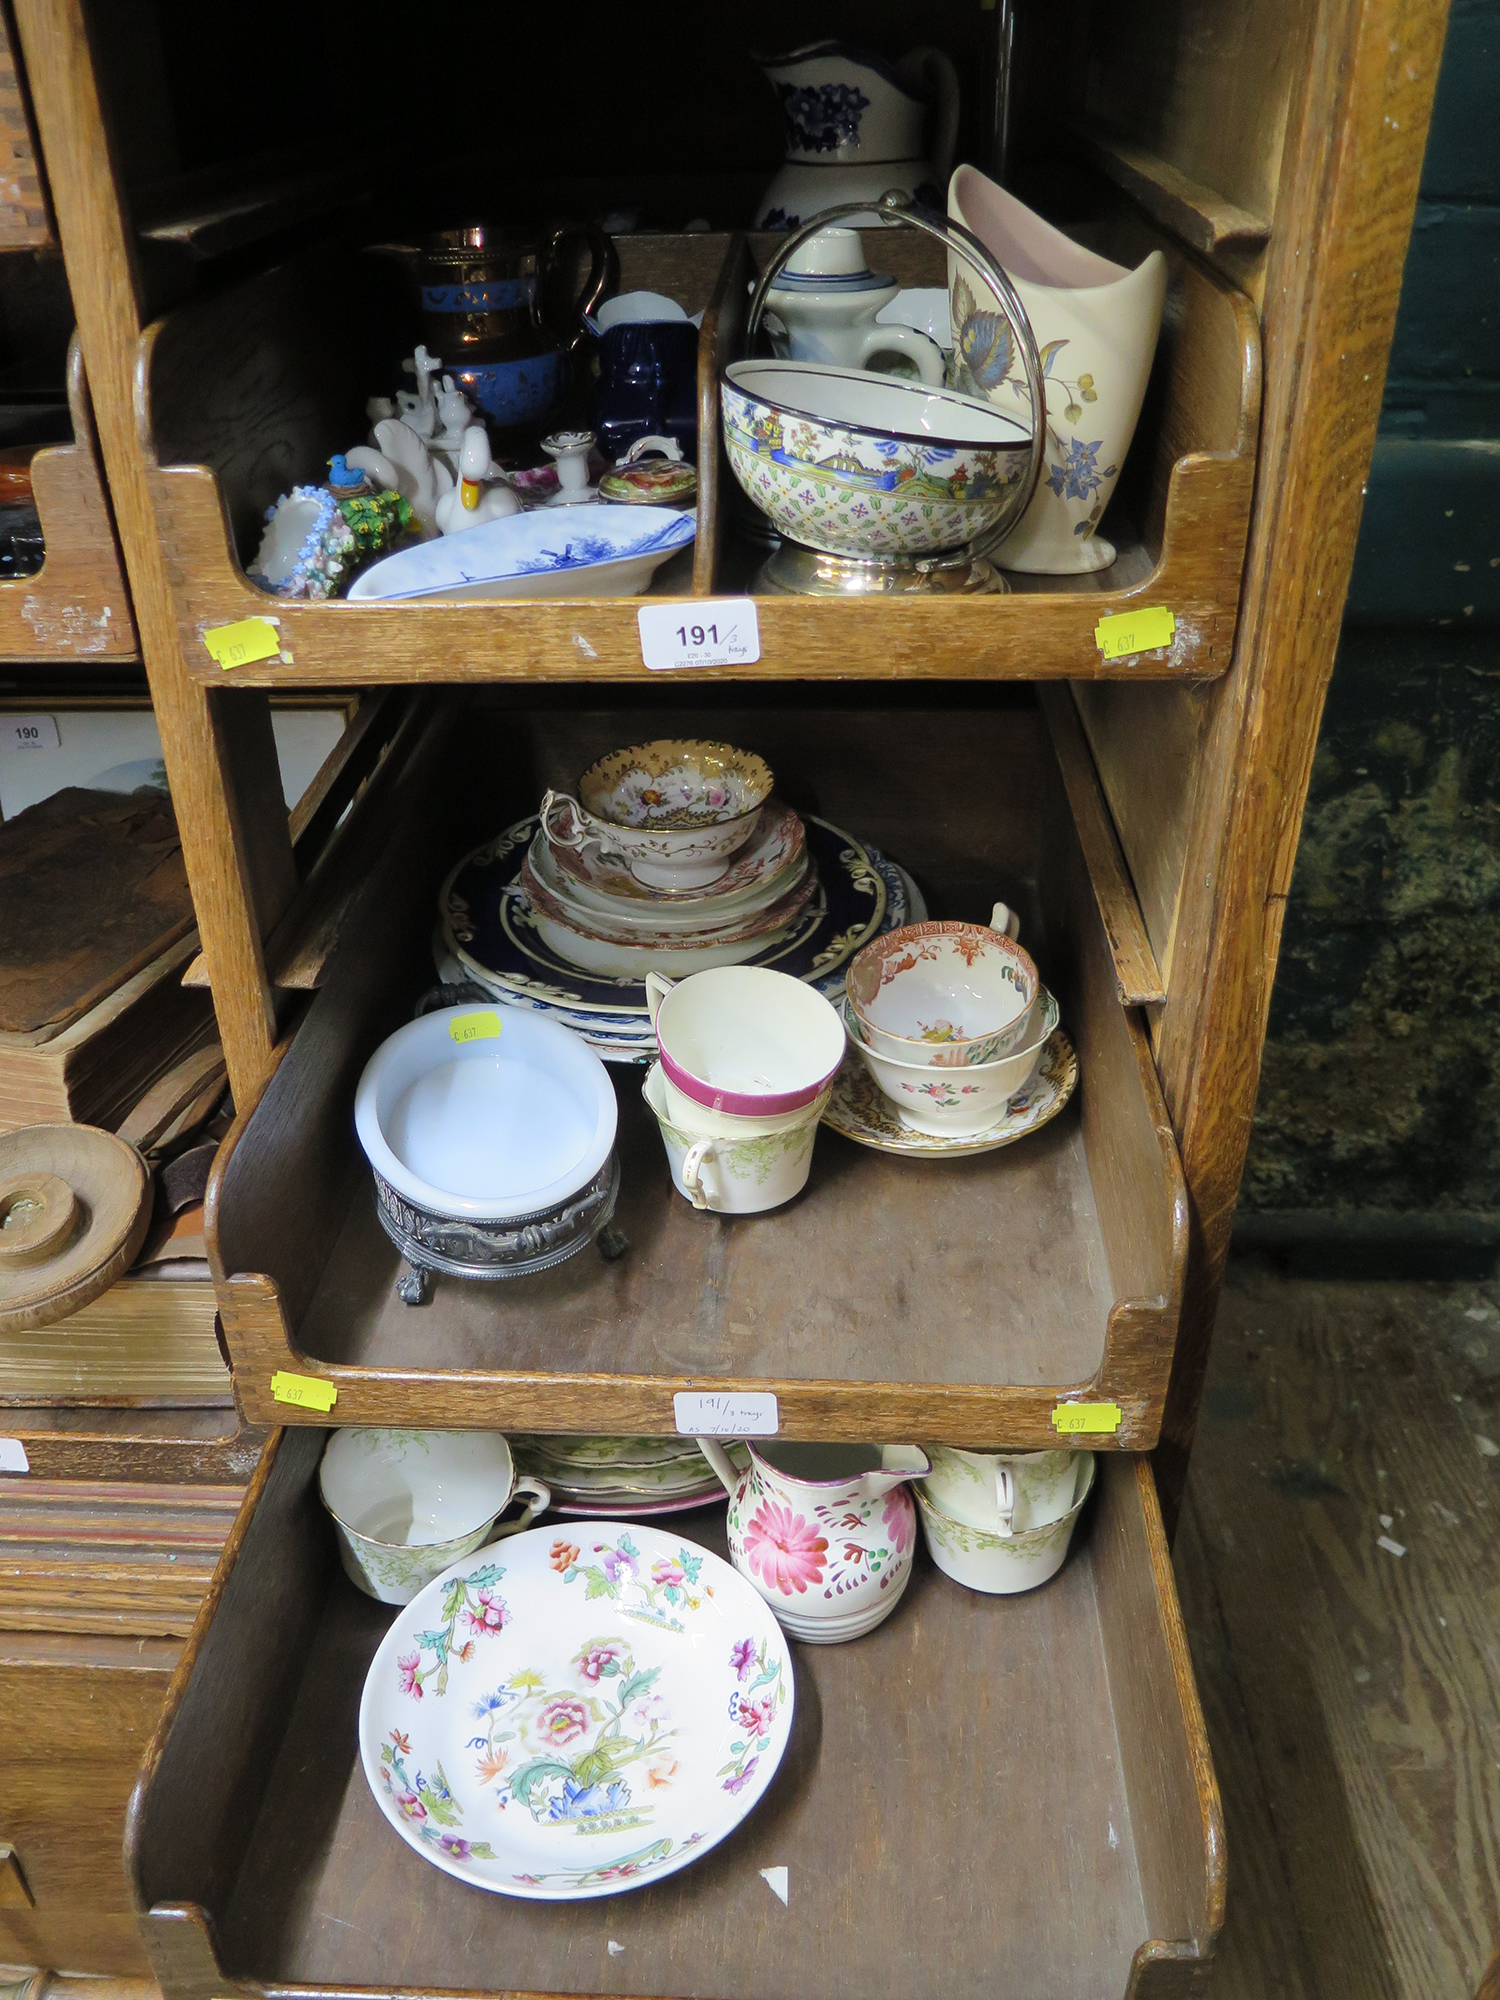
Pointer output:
x,y
1143,822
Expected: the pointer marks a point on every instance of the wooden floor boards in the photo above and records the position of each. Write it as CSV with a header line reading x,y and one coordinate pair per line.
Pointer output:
x,y
1352,1692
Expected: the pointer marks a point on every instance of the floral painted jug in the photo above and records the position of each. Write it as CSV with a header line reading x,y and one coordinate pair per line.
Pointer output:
x,y
825,1532
854,129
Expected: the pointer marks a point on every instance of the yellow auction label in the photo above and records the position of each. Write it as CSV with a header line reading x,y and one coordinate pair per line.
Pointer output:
x,y
1086,1419
238,645
483,1027
304,1390
1125,632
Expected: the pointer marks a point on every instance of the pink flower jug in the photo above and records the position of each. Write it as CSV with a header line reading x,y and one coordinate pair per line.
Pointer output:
x,y
825,1532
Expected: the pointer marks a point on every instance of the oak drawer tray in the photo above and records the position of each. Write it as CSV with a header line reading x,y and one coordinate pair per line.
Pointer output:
x,y
985,1794
955,1299
76,607
244,395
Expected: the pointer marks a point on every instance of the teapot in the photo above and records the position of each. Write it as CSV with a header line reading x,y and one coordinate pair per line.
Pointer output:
x,y
854,130
825,1532
481,313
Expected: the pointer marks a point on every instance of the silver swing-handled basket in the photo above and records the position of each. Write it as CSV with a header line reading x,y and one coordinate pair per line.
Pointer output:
x,y
876,484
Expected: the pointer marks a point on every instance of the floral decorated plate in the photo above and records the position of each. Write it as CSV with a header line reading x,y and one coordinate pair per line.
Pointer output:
x,y
569,1715
860,1109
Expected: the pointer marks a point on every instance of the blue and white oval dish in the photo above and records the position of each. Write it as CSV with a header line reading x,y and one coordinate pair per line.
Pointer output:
x,y
554,552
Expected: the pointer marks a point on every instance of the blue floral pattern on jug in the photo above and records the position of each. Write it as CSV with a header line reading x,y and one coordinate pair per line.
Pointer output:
x,y
821,117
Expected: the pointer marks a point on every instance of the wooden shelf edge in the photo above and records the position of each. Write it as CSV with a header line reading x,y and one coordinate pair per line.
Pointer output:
x,y
1137,976
1018,1416
1204,220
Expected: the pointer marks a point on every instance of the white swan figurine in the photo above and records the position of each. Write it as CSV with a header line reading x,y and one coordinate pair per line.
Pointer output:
x,y
470,503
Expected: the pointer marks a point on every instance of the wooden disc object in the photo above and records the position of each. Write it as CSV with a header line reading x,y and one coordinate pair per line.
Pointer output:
x,y
75,1204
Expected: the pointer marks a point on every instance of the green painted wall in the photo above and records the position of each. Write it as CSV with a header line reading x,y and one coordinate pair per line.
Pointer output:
x,y
1381,1083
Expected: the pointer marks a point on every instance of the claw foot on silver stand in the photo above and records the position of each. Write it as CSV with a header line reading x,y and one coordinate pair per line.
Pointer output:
x,y
414,1285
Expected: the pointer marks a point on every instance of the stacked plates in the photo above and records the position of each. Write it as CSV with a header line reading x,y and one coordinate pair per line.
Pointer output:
x,y
491,932
597,1476
597,916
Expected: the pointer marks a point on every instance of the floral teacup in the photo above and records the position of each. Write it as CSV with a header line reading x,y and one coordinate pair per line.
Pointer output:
x,y
949,994
406,1505
1004,1493
674,812
1004,1564
958,1101
743,1167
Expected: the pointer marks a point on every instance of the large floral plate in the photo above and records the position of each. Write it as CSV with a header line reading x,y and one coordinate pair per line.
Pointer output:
x,y
625,1035
569,1715
860,1109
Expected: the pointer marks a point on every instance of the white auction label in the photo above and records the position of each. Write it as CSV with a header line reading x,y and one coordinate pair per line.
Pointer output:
x,y
712,632
32,732
723,1413
13,1456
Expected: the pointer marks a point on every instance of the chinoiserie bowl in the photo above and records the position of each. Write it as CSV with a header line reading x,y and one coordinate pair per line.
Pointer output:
x,y
745,1039
947,994
861,464
955,1101
490,1132
408,1504
673,811
730,1171
1002,1565
1002,1493
604,552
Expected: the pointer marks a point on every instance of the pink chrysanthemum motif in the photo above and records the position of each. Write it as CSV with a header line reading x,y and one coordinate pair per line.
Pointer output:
x,y
407,1665
784,1549
562,1720
489,1613
899,1520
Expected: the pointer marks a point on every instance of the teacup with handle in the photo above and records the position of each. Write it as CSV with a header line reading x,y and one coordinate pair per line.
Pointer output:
x,y
1002,1493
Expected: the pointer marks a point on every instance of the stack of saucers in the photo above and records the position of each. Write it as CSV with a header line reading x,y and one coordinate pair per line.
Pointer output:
x,y
592,910
597,1476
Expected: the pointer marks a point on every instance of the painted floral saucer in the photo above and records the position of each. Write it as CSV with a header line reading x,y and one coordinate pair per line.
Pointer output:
x,y
860,1109
576,1712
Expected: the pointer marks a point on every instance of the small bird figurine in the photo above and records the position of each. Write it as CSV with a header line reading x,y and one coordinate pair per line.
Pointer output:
x,y
344,479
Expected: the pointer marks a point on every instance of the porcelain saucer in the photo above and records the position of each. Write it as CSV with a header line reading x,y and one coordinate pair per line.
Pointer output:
x,y
861,1111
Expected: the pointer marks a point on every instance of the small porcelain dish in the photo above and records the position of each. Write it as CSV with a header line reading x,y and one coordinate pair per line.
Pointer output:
x,y
952,995
745,1039
959,1101
860,464
1002,1565
743,1168
406,1505
673,811
490,1132
603,552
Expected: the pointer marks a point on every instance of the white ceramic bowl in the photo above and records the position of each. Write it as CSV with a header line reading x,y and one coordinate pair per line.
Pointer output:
x,y
674,811
485,1113
604,552
731,1173
408,1504
745,1039
965,991
957,1101
1001,1565
863,464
